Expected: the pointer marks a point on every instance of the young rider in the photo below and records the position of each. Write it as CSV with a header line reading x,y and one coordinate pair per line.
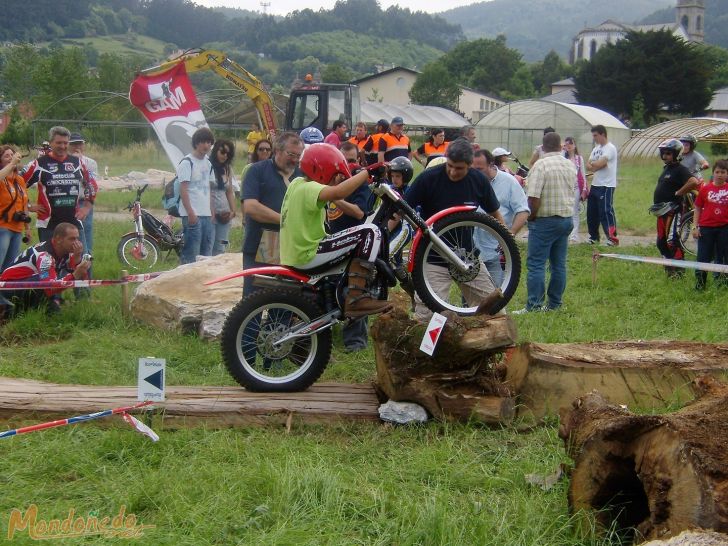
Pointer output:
x,y
674,182
304,243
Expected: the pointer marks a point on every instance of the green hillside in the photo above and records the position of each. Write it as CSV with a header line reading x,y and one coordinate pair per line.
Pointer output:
x,y
535,28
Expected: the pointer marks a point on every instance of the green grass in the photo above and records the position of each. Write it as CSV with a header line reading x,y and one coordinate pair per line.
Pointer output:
x,y
335,484
120,44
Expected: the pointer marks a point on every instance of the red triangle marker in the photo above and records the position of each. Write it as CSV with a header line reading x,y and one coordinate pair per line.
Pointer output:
x,y
434,333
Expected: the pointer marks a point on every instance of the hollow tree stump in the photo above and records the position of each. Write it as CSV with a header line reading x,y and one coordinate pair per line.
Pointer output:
x,y
658,474
463,380
644,374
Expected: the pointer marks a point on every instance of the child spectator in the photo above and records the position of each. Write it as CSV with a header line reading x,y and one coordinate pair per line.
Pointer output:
x,y
711,223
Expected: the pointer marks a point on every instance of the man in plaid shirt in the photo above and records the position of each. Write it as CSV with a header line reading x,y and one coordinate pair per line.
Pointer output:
x,y
551,200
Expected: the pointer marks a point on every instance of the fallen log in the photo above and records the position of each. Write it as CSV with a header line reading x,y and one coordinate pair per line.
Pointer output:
x,y
645,374
650,476
462,380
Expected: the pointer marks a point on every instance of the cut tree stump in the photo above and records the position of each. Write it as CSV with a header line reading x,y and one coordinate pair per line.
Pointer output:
x,y
461,381
658,474
644,374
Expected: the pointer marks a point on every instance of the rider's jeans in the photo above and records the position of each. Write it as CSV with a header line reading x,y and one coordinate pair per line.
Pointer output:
x,y
440,280
548,240
198,239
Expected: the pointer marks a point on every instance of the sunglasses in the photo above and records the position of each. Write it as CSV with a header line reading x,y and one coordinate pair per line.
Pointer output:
x,y
264,149
223,151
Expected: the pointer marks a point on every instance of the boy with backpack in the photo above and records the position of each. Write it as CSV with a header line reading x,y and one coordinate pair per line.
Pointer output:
x,y
195,174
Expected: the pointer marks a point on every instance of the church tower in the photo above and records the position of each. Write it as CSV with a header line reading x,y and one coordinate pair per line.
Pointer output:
x,y
691,15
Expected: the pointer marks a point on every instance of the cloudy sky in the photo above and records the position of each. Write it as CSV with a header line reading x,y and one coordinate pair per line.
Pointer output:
x,y
281,7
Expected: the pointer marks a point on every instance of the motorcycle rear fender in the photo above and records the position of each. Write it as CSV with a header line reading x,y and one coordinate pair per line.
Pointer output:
x,y
266,270
430,221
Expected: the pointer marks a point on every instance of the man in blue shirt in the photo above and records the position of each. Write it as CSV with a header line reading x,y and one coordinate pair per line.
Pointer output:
x,y
513,208
264,186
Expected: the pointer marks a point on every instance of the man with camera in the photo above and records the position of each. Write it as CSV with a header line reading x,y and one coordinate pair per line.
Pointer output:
x,y
59,258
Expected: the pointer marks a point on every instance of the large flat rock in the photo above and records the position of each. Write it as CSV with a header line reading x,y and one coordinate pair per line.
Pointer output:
x,y
179,299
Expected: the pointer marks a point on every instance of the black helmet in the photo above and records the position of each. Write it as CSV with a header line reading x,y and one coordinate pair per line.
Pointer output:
x,y
691,139
404,166
672,145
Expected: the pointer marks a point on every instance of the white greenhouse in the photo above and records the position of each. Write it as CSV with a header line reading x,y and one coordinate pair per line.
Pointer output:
x,y
519,126
645,143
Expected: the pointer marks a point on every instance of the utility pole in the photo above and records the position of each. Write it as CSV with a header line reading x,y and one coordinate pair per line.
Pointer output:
x,y
265,6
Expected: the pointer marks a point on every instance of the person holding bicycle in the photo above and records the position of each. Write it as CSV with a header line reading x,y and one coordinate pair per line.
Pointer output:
x,y
711,223
674,182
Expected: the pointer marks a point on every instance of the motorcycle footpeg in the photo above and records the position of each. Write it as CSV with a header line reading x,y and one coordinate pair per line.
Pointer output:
x,y
384,269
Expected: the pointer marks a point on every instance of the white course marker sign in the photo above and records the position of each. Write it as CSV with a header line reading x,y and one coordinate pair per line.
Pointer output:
x,y
432,333
151,379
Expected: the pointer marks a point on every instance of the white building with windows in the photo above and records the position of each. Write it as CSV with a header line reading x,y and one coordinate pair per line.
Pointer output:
x,y
689,25
392,86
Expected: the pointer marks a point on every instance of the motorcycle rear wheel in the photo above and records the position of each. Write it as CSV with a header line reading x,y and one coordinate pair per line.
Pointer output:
x,y
456,231
248,342
137,257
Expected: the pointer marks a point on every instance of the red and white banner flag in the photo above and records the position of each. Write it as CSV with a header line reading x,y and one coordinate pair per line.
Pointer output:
x,y
169,103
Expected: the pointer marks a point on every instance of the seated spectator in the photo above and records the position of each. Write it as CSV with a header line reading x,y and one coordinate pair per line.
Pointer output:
x,y
59,258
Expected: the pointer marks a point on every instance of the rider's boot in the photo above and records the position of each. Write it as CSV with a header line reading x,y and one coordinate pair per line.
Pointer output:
x,y
359,300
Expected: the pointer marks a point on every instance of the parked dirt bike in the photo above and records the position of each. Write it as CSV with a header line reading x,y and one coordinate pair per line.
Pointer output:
x,y
279,338
140,248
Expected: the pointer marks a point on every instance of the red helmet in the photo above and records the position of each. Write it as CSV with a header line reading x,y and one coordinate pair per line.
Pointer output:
x,y
321,162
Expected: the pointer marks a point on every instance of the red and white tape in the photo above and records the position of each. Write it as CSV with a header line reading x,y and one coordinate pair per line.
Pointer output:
x,y
702,266
26,285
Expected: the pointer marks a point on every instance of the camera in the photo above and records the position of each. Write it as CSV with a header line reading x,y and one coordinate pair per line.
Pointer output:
x,y
21,216
87,258
26,239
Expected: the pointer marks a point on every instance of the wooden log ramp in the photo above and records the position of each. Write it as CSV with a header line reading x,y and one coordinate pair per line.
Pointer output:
x,y
651,476
214,407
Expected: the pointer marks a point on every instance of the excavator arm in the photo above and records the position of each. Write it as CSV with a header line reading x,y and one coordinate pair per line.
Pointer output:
x,y
196,60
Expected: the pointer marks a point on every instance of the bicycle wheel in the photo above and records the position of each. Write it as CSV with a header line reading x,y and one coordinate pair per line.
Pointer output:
x,y
685,237
137,254
249,347
457,232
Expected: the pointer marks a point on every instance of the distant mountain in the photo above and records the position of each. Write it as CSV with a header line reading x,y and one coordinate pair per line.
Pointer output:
x,y
534,28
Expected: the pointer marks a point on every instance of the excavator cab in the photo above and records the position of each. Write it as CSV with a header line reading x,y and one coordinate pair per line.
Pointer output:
x,y
320,104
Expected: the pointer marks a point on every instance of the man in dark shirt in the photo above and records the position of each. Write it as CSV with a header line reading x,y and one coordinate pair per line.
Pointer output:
x,y
263,190
674,182
452,184
342,215
62,182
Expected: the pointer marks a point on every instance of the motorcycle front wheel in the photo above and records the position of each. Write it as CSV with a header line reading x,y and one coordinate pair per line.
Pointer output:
x,y
137,254
441,286
249,342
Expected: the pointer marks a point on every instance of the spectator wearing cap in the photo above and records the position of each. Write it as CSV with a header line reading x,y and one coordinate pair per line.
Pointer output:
x,y
338,133
501,156
371,148
394,143
77,147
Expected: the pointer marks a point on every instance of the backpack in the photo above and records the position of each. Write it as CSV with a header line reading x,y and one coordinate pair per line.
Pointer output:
x,y
171,195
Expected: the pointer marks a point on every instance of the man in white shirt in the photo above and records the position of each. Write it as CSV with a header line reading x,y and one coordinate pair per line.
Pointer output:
x,y
600,204
195,174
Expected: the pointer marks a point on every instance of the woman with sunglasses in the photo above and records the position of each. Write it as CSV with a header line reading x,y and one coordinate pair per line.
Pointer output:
x,y
263,150
223,195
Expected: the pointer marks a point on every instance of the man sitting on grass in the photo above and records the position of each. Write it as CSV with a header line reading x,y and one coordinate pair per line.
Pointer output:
x,y
59,258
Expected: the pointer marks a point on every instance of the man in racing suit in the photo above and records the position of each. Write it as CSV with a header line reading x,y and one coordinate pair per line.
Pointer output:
x,y
62,181
59,258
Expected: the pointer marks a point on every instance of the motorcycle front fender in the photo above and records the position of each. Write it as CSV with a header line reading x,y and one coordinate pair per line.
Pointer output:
x,y
277,270
430,221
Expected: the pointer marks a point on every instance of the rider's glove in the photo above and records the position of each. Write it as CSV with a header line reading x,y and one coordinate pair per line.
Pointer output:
x,y
378,170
